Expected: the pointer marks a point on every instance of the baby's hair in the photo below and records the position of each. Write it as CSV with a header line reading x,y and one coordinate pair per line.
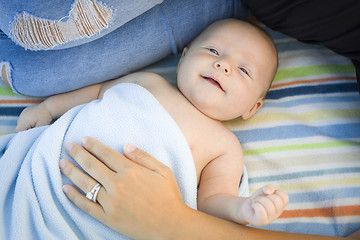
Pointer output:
x,y
261,28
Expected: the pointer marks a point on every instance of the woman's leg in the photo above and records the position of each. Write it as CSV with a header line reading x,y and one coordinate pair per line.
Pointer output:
x,y
59,24
164,29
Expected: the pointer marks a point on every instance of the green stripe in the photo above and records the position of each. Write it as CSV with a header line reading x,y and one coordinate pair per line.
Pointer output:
x,y
6,91
6,133
313,70
298,147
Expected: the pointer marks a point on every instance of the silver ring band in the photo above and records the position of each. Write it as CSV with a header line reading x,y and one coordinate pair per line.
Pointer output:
x,y
92,195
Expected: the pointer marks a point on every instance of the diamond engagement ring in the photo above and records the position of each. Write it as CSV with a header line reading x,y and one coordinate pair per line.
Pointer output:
x,y
92,195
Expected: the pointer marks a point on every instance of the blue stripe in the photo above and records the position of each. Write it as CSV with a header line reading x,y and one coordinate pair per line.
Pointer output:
x,y
305,90
304,174
330,229
296,46
11,111
312,100
318,196
11,122
338,131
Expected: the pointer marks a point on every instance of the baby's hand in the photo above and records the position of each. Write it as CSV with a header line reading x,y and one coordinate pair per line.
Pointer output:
x,y
33,116
264,206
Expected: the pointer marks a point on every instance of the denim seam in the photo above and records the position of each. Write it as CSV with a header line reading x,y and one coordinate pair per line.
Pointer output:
x,y
168,30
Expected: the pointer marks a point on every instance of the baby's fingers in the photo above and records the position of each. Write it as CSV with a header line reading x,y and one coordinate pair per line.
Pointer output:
x,y
260,216
42,122
278,204
284,197
23,125
268,205
265,190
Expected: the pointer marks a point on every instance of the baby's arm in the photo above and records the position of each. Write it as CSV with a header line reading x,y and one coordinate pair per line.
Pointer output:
x,y
55,106
218,192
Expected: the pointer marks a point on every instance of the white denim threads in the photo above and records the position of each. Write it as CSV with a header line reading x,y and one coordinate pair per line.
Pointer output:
x,y
86,18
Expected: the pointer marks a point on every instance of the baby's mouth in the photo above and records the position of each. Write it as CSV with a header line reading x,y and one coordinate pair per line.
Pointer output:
x,y
213,82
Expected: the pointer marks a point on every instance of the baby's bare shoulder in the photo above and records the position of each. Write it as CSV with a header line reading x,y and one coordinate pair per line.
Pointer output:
x,y
229,141
149,78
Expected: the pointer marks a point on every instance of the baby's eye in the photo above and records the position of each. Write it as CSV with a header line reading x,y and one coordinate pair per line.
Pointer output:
x,y
213,51
244,71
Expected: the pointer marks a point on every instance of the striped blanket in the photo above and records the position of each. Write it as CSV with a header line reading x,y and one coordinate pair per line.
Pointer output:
x,y
304,140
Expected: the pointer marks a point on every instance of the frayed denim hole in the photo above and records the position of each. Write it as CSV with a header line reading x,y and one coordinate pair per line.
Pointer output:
x,y
86,18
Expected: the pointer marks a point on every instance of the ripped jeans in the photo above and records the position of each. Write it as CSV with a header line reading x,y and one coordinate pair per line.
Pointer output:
x,y
49,47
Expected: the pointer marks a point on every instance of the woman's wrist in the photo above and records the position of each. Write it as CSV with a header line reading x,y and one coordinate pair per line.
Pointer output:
x,y
174,223
186,223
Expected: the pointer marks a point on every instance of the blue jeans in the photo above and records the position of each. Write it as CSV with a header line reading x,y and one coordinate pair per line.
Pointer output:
x,y
164,29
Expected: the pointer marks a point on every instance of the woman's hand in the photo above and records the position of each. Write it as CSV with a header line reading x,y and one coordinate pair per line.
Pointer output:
x,y
139,195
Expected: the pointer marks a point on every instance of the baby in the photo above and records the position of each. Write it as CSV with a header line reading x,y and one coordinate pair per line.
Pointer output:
x,y
223,74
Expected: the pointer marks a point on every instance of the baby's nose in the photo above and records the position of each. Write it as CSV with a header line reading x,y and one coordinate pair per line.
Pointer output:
x,y
223,66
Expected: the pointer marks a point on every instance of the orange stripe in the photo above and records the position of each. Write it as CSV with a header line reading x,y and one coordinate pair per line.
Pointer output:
x,y
30,101
353,210
311,81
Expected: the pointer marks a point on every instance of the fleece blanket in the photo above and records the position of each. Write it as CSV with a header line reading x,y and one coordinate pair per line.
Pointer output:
x,y
32,202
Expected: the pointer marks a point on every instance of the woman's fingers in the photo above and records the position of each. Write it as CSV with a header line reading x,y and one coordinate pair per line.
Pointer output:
x,y
79,178
89,163
111,158
85,183
144,159
83,203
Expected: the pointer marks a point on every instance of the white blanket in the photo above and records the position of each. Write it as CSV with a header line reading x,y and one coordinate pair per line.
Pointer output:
x,y
32,202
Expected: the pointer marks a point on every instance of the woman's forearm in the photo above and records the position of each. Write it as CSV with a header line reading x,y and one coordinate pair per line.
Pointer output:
x,y
192,224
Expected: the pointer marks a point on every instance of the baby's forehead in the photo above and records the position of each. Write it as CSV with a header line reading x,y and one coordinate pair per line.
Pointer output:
x,y
232,30
228,24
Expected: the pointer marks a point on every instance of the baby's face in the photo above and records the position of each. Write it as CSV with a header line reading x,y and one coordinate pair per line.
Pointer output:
x,y
227,69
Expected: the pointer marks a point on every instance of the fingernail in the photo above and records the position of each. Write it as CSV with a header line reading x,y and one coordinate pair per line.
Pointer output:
x,y
62,163
84,140
129,148
69,146
65,189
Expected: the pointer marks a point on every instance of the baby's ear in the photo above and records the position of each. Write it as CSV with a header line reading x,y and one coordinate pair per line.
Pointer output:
x,y
184,51
253,110
182,56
